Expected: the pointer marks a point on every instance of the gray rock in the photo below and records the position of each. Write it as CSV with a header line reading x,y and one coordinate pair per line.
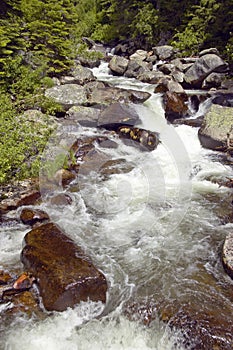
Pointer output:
x,y
118,65
210,50
205,65
135,68
116,115
164,52
139,55
213,80
68,95
168,84
151,77
82,75
227,254
217,124
85,116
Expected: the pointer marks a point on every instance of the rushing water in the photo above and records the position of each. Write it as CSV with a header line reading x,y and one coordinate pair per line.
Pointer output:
x,y
155,232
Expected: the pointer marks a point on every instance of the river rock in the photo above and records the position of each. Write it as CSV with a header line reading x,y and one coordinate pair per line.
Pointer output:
x,y
175,105
118,65
89,62
150,77
68,95
164,52
203,66
213,80
168,84
148,140
216,125
5,277
65,275
103,97
136,68
85,116
61,199
82,75
211,50
139,55
223,99
21,193
32,216
118,114
227,254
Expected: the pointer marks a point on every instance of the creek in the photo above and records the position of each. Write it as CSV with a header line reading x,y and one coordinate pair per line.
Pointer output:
x,y
156,232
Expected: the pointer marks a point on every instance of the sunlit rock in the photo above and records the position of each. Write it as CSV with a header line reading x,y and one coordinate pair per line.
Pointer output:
x,y
32,216
148,140
64,274
118,65
216,128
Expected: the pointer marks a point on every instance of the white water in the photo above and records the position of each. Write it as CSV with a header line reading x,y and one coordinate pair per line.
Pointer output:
x,y
148,231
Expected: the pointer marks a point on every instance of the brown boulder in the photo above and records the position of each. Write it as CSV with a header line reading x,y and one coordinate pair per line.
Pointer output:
x,y
175,105
64,274
32,216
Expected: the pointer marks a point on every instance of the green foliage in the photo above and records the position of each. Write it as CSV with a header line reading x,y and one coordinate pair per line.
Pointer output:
x,y
22,140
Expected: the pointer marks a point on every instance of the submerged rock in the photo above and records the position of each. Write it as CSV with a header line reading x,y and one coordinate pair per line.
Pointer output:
x,y
64,274
148,140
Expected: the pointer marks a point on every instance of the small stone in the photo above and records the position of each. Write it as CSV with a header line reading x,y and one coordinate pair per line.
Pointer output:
x,y
32,216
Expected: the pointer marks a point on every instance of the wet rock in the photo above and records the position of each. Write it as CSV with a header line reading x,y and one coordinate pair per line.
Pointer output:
x,y
89,62
115,166
5,277
24,281
194,122
217,124
227,255
148,140
175,105
32,216
85,116
64,274
118,65
223,99
204,66
118,114
63,177
164,52
168,84
61,199
22,193
68,95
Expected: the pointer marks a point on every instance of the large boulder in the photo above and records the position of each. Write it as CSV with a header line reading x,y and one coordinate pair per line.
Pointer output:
x,y
227,254
175,105
203,66
118,65
136,68
116,115
64,274
164,52
102,97
150,77
86,116
216,127
213,80
68,95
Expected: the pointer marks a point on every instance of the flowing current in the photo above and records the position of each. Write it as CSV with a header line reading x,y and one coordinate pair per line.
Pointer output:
x,y
155,231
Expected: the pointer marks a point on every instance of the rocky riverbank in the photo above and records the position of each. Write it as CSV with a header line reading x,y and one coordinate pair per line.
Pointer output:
x,y
55,268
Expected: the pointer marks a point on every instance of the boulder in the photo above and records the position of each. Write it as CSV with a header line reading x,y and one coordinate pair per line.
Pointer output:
x,y
33,216
102,97
139,55
175,105
118,114
82,75
68,95
203,66
212,50
85,116
223,99
60,199
217,124
64,274
213,80
150,77
22,193
136,68
227,254
147,140
164,52
168,84
89,62
118,65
